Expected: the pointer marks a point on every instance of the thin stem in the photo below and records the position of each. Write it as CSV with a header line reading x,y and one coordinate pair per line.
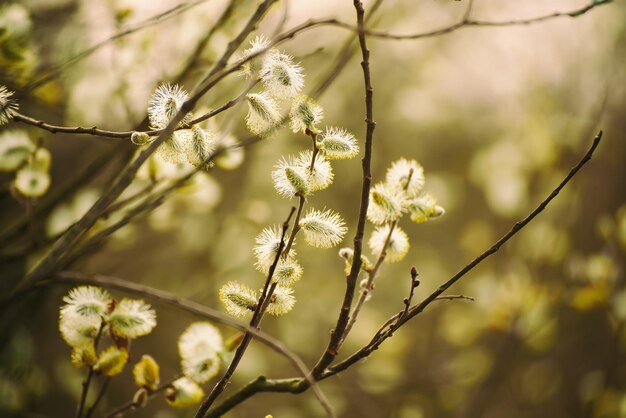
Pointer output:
x,y
262,304
101,392
130,405
370,281
87,381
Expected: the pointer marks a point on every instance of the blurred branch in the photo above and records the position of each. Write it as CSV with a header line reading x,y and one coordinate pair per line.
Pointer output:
x,y
153,20
344,314
195,56
187,305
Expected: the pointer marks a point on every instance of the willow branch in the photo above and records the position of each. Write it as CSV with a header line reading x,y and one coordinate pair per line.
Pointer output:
x,y
386,331
95,131
344,314
262,305
260,384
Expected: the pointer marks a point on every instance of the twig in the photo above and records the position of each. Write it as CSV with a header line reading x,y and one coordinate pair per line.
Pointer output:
x,y
132,405
456,297
262,304
370,281
87,381
103,389
342,321
385,332
95,131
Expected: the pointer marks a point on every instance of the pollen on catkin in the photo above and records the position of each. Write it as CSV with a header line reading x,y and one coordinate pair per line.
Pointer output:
x,y
146,373
183,392
398,243
407,175
287,271
238,299
337,144
290,178
424,208
282,301
111,361
263,114
305,114
282,78
165,103
386,204
320,176
322,229
267,245
252,67
8,106
132,318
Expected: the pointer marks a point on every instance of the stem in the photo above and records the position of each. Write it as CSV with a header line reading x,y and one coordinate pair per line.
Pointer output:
x,y
370,281
103,389
87,381
264,300
131,404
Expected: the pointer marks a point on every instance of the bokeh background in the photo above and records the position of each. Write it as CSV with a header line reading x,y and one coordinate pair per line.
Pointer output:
x,y
496,116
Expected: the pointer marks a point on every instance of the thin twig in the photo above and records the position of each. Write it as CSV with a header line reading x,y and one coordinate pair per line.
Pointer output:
x,y
385,332
95,131
370,281
261,305
132,405
87,381
101,392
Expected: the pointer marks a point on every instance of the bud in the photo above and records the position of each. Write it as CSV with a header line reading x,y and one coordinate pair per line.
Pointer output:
x,y
146,373
140,138
184,392
111,361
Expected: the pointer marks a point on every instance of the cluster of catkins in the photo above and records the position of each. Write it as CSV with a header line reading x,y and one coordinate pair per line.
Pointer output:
x,y
90,315
295,176
401,193
20,155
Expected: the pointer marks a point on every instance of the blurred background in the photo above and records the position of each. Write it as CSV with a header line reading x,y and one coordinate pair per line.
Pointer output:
x,y
496,116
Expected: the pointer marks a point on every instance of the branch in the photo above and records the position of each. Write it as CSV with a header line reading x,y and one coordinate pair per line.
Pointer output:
x,y
344,314
260,384
385,331
95,131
